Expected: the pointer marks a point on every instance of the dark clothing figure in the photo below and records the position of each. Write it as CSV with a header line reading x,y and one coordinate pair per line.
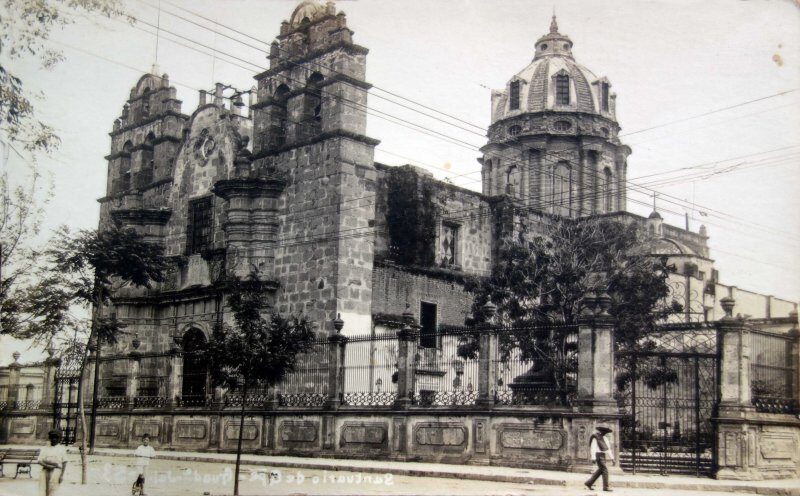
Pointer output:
x,y
600,451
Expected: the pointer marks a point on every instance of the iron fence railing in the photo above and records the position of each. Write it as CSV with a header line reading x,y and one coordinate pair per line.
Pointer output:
x,y
773,373
370,370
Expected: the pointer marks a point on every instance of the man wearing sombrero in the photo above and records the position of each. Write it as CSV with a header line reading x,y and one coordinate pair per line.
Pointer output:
x,y
600,450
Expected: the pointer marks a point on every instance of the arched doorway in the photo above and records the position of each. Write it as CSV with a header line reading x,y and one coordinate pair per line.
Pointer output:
x,y
195,370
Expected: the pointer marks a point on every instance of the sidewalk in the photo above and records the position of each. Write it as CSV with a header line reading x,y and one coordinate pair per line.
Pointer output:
x,y
783,487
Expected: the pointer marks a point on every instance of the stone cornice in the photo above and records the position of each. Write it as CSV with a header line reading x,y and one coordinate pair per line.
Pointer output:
x,y
250,187
338,133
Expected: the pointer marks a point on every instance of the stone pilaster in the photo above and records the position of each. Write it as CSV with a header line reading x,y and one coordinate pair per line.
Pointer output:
x,y
407,341
49,384
733,441
132,380
596,356
487,351
13,380
337,344
174,373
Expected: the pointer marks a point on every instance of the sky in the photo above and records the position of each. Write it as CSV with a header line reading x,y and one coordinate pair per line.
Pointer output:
x,y
708,93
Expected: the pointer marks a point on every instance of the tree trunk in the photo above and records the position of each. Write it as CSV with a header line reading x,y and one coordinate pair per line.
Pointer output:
x,y
239,441
82,415
95,391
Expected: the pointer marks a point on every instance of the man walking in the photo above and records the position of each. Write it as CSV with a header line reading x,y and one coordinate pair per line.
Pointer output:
x,y
600,449
143,454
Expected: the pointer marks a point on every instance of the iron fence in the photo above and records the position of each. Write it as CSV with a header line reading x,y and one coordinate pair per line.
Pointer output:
x,y
772,373
307,385
536,365
447,374
370,370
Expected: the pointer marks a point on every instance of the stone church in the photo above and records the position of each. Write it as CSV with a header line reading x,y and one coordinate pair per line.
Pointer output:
x,y
289,188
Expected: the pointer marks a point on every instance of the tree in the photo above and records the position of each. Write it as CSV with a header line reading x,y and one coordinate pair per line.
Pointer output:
x,y
258,350
25,27
538,285
83,269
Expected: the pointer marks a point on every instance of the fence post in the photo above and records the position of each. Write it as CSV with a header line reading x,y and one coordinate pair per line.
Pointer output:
x,y
406,351
49,379
734,337
487,351
336,351
13,381
733,341
596,355
132,383
174,372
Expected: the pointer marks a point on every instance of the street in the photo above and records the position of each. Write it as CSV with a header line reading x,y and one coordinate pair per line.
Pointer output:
x,y
110,476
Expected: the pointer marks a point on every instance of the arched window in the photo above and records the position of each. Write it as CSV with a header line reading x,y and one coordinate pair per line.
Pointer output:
x,y
195,369
146,171
278,121
312,106
562,89
608,191
562,188
124,181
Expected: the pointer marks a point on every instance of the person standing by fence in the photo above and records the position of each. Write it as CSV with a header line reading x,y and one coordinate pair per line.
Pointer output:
x,y
600,450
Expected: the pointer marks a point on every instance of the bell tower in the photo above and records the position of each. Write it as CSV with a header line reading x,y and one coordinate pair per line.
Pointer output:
x,y
309,129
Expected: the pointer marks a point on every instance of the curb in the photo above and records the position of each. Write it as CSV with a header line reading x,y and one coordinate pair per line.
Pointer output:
x,y
520,479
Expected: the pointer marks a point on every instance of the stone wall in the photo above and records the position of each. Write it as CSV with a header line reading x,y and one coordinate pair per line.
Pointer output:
x,y
506,436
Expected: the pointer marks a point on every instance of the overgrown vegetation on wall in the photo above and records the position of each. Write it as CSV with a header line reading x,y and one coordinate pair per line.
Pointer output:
x,y
411,218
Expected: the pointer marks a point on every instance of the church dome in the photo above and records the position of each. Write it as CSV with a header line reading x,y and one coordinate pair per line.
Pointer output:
x,y
553,81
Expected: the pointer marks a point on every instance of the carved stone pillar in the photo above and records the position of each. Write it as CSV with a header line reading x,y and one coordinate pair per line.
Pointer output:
x,y
49,383
336,350
132,380
596,356
174,375
734,444
487,351
13,381
407,342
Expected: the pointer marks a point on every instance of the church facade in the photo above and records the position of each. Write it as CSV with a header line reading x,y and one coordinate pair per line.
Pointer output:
x,y
290,188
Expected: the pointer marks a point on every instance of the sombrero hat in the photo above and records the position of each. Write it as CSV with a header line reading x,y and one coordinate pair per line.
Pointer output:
x,y
604,430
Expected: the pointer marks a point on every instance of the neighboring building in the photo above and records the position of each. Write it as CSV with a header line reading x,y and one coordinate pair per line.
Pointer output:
x,y
291,189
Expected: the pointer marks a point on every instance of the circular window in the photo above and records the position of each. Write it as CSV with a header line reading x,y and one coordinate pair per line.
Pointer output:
x,y
543,46
207,146
566,46
604,130
514,130
562,125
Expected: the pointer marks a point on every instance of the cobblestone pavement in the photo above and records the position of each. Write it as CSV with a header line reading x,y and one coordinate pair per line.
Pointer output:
x,y
110,476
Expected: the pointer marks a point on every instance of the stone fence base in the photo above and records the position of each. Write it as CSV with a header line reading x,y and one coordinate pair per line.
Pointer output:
x,y
499,436
757,446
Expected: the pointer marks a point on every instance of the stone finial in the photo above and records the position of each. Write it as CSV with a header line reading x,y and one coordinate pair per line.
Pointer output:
x,y
16,356
338,323
408,315
203,99
603,303
489,311
727,305
588,304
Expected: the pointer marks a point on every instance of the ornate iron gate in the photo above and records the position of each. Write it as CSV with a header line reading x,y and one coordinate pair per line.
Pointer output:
x,y
65,398
668,394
